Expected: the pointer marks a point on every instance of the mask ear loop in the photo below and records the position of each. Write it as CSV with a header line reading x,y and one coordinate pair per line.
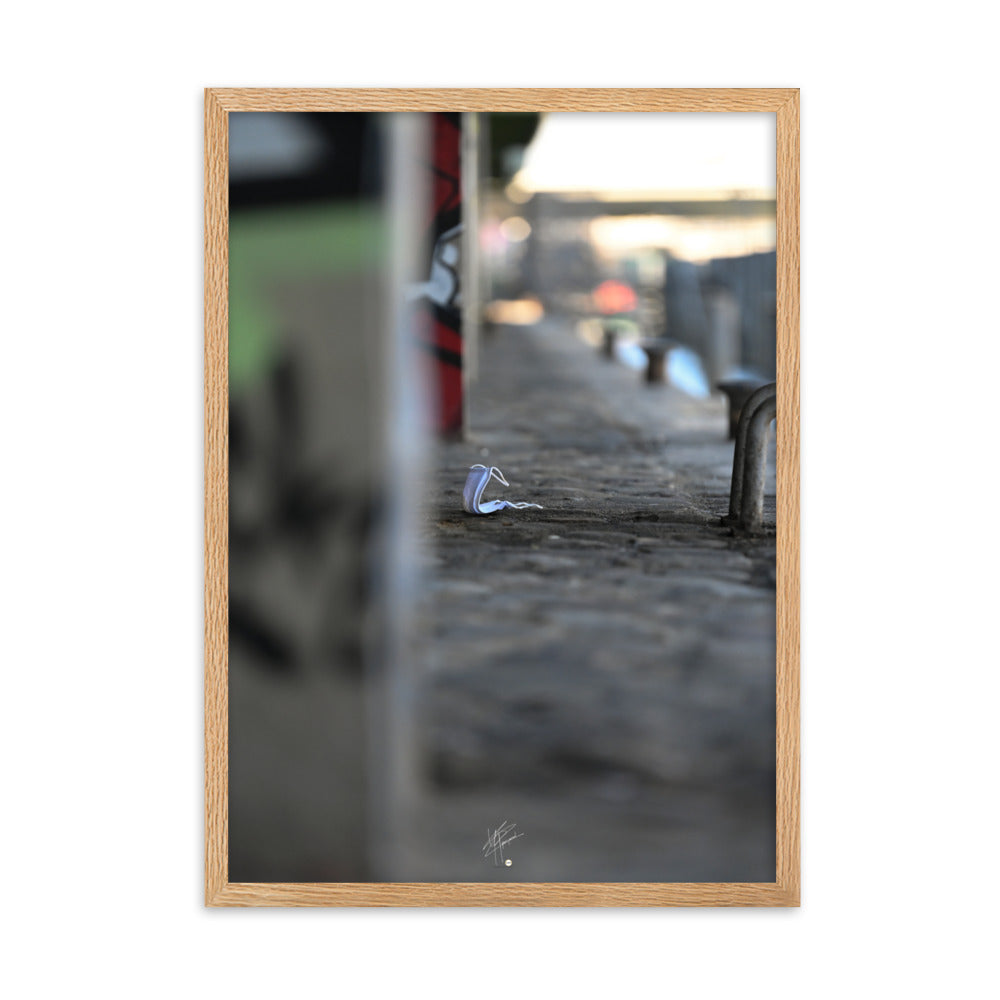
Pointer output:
x,y
495,473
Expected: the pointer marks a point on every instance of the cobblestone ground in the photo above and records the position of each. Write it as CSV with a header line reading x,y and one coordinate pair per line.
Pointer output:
x,y
599,672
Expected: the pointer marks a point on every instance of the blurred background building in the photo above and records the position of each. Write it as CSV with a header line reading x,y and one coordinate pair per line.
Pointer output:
x,y
678,208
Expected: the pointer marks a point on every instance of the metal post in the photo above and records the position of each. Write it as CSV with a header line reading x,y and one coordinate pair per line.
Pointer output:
x,y
738,392
752,513
656,350
739,452
472,303
610,337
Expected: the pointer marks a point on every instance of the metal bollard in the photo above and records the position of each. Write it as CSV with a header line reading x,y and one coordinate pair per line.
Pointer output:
x,y
610,337
656,349
738,392
763,398
755,466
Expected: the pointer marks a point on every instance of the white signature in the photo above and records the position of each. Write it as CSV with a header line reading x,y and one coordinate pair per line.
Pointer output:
x,y
497,840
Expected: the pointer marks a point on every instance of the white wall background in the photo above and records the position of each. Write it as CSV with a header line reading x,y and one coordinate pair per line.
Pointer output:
x,y
101,553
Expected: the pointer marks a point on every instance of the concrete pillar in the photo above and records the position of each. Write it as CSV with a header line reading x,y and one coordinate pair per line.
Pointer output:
x,y
722,344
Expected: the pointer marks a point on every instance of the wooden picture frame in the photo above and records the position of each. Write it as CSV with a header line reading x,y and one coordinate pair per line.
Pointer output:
x,y
219,891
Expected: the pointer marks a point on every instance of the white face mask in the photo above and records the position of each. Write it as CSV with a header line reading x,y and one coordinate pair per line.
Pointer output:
x,y
478,478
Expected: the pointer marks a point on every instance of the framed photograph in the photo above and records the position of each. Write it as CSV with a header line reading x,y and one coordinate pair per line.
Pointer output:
x,y
501,497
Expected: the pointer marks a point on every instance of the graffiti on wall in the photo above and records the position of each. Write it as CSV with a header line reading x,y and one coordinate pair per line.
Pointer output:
x,y
440,295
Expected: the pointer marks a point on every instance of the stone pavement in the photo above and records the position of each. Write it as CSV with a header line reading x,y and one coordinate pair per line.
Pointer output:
x,y
599,672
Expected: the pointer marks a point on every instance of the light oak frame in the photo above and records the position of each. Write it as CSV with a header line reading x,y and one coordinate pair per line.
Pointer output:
x,y
219,891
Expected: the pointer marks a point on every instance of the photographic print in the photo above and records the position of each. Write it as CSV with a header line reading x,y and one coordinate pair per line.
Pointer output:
x,y
501,497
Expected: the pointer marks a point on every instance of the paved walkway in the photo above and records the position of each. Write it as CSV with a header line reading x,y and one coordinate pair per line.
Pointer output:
x,y
599,672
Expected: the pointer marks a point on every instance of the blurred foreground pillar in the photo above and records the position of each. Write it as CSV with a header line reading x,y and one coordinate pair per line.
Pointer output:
x,y
324,453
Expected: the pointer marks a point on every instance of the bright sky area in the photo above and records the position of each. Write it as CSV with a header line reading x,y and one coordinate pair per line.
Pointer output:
x,y
668,153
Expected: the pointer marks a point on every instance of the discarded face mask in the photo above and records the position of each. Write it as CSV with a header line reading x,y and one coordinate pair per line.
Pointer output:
x,y
478,478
